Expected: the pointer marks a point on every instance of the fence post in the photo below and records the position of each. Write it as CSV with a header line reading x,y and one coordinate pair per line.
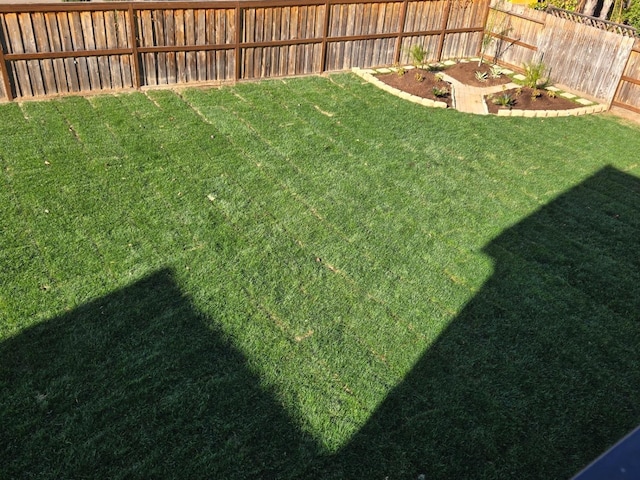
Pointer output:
x,y
403,23
4,71
133,38
238,50
325,35
443,30
484,28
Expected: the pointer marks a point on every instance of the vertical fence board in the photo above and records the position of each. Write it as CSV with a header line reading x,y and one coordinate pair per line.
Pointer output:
x,y
77,43
70,64
146,33
200,25
122,26
191,63
21,76
42,36
111,39
5,80
86,30
55,37
169,40
100,36
30,46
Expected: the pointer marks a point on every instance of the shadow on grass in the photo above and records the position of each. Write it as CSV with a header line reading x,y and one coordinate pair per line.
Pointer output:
x,y
534,378
135,386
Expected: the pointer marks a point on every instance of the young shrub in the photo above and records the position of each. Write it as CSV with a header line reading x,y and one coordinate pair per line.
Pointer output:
x,y
503,100
496,71
419,77
534,73
481,76
440,92
418,56
551,94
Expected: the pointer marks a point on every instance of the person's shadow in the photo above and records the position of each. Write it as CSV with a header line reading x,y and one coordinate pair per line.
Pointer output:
x,y
534,378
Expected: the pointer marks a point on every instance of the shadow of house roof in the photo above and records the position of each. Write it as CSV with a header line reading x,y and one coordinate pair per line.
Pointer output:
x,y
533,379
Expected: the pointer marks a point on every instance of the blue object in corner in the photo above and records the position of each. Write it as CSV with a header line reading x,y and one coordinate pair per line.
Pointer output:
x,y
620,462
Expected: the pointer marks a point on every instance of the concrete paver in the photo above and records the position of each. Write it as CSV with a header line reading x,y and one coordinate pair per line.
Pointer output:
x,y
470,99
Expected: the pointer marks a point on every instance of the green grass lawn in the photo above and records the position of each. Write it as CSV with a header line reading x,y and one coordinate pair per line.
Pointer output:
x,y
311,278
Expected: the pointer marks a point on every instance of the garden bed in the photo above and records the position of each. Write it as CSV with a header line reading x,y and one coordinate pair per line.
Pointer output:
x,y
434,84
419,82
524,98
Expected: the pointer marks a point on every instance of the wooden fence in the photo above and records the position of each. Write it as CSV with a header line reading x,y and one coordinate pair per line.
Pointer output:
x,y
84,47
63,48
627,93
581,57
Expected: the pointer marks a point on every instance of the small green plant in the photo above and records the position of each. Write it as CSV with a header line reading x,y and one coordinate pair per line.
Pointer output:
x,y
534,75
401,71
482,76
518,91
535,94
439,77
440,92
495,71
570,5
551,94
418,55
632,14
503,100
419,77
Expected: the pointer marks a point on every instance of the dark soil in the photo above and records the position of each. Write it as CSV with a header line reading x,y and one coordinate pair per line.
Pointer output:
x,y
465,72
418,82
524,100
421,83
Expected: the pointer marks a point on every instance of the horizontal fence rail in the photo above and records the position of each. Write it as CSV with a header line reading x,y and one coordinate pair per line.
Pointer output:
x,y
66,48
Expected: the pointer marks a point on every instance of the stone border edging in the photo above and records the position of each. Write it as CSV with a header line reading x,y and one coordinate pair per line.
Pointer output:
x,y
369,75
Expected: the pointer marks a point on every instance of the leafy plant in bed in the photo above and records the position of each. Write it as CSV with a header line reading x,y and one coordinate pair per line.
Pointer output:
x,y
420,79
532,94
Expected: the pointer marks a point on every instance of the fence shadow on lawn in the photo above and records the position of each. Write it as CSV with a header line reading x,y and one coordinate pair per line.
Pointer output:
x,y
533,379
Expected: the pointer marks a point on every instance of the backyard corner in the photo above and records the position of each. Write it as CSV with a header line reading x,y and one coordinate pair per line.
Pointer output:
x,y
312,278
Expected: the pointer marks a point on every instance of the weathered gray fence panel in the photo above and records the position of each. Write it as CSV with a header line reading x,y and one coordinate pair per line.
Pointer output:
x,y
583,58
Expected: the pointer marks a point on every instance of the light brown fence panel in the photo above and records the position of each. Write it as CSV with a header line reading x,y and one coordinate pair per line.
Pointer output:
x,y
12,29
53,52
584,58
363,34
464,15
514,33
423,27
628,92
282,40
185,45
